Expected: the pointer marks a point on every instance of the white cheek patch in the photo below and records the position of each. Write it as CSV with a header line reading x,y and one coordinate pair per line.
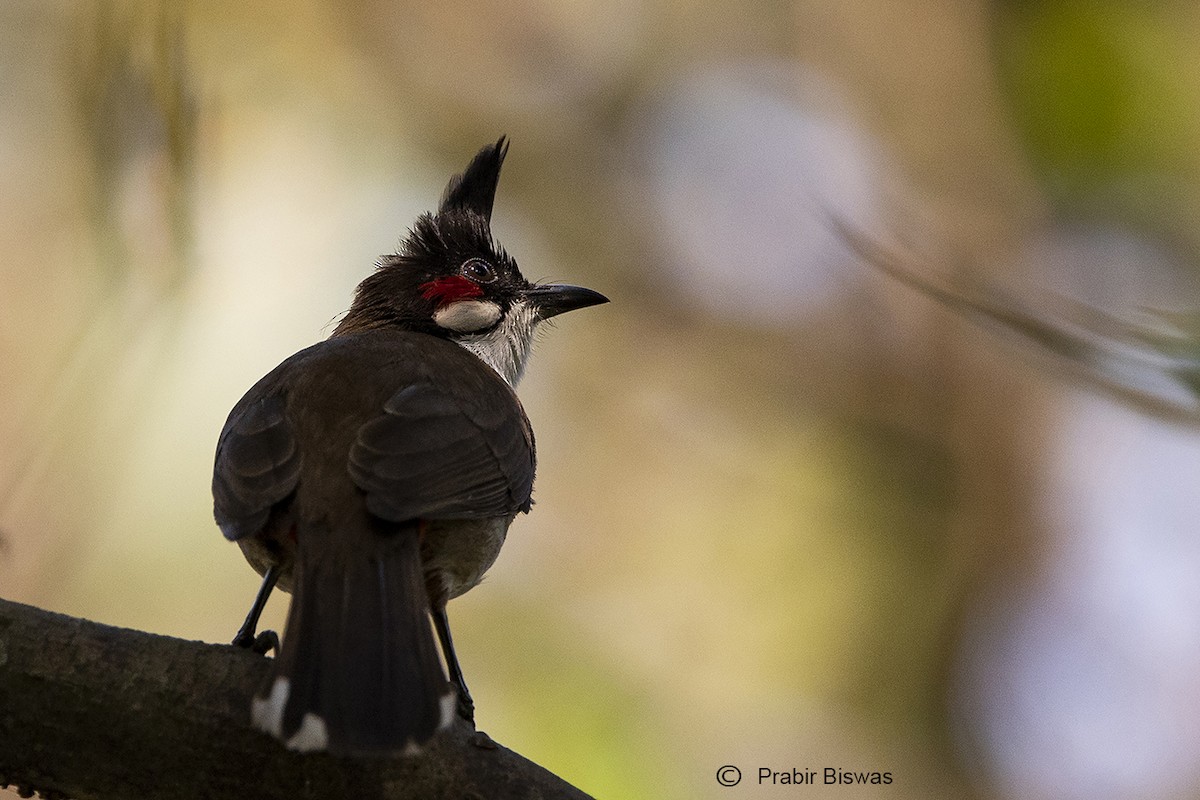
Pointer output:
x,y
467,316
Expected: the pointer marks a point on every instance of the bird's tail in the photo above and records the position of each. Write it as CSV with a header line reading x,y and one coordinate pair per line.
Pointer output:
x,y
358,672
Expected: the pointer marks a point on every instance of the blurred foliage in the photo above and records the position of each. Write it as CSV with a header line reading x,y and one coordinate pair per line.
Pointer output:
x,y
1103,95
138,114
757,540
118,273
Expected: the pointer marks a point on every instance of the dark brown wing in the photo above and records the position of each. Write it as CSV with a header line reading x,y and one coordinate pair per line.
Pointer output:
x,y
430,432
453,449
257,465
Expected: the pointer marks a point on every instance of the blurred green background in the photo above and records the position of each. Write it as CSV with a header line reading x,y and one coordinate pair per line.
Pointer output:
x,y
790,514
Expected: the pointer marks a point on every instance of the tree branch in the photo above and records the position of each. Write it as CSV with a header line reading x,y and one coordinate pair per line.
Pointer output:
x,y
92,711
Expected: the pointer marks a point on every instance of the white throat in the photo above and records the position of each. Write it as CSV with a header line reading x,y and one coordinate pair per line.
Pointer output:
x,y
506,347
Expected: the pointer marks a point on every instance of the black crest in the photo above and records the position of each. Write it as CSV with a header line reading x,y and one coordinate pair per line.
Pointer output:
x,y
475,189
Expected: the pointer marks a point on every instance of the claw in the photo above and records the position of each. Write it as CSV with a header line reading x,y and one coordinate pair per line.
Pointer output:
x,y
466,707
262,643
265,642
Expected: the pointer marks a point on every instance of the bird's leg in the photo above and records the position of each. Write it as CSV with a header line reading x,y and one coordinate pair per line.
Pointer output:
x,y
267,640
466,706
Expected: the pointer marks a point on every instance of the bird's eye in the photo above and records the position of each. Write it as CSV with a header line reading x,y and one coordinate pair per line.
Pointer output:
x,y
479,271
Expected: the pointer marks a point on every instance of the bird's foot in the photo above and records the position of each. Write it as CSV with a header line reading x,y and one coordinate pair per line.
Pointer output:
x,y
262,644
483,741
466,707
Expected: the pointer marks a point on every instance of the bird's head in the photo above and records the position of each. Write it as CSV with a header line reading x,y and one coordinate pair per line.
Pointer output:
x,y
450,278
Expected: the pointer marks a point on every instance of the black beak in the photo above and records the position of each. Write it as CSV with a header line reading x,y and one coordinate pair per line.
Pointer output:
x,y
551,299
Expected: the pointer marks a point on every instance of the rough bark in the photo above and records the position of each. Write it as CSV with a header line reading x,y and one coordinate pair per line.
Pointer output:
x,y
92,711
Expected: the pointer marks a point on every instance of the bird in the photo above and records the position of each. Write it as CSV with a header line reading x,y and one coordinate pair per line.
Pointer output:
x,y
374,476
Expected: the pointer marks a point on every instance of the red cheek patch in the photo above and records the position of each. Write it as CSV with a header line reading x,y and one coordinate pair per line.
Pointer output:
x,y
443,291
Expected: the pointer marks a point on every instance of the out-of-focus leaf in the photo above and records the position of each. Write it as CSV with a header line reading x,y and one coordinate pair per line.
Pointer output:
x,y
1098,90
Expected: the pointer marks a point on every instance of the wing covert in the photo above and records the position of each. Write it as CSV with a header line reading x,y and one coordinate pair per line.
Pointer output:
x,y
257,466
430,455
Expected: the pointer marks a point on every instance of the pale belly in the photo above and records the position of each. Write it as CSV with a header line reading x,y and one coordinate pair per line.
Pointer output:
x,y
455,553
460,551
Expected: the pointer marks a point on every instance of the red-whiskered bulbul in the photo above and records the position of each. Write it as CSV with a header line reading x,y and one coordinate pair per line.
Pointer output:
x,y
374,476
